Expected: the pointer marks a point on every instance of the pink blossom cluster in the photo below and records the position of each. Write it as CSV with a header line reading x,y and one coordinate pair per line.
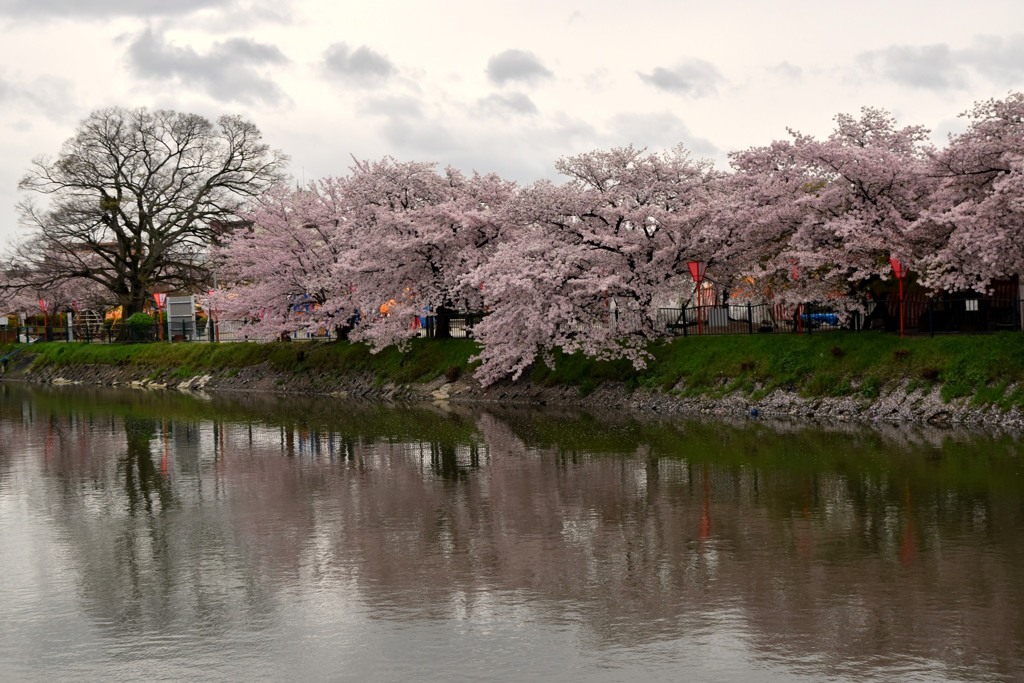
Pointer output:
x,y
584,265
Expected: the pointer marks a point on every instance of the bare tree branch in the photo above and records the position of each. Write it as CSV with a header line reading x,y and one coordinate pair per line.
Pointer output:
x,y
134,199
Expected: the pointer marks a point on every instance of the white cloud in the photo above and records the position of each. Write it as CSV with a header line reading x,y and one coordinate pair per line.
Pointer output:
x,y
933,67
657,131
228,72
98,10
361,66
789,71
497,87
46,95
516,66
515,104
998,58
694,78
940,67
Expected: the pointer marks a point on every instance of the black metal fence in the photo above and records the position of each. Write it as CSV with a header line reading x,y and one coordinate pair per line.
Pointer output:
x,y
453,325
962,314
109,334
916,316
913,316
749,318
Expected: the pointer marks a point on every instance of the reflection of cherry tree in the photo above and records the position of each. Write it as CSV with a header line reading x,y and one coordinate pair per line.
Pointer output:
x,y
630,532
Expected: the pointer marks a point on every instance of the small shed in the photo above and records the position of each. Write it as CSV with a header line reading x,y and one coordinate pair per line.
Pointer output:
x,y
181,318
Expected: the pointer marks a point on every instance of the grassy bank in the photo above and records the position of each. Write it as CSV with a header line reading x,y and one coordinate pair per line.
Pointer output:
x,y
423,361
989,369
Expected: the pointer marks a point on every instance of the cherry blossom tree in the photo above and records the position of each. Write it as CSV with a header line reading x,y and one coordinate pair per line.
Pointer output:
x,y
754,218
588,260
873,190
817,220
60,298
978,207
417,232
280,273
583,266
373,249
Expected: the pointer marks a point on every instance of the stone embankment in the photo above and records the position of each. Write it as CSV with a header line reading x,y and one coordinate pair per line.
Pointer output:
x,y
897,406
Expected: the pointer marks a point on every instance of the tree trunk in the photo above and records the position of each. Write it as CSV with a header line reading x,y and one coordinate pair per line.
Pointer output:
x,y
442,324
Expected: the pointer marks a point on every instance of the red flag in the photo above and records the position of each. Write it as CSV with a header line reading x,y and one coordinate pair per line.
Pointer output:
x,y
897,268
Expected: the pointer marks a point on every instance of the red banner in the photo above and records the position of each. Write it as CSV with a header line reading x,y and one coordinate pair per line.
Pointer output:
x,y
897,268
697,269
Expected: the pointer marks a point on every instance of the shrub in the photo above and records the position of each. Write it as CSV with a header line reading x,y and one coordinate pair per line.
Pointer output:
x,y
140,327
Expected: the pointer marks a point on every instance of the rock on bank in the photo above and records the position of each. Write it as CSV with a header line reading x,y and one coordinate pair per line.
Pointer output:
x,y
899,405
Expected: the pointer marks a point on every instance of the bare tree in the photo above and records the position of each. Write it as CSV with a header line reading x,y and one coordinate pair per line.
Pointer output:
x,y
135,198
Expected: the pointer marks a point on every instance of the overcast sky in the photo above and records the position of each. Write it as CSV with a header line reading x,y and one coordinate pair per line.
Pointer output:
x,y
504,87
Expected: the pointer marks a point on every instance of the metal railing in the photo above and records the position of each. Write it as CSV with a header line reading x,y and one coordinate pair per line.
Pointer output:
x,y
919,315
749,318
963,314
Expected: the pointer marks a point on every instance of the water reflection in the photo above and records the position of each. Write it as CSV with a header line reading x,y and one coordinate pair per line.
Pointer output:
x,y
237,534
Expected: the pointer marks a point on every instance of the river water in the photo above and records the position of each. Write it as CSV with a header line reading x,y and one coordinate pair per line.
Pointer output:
x,y
163,537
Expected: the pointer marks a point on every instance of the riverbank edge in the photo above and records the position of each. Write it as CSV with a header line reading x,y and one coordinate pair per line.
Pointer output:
x,y
897,405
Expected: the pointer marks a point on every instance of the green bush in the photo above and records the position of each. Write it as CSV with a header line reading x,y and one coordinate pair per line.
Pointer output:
x,y
140,326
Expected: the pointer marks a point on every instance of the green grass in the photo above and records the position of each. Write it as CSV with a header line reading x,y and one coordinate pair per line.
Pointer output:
x,y
857,364
422,361
987,369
